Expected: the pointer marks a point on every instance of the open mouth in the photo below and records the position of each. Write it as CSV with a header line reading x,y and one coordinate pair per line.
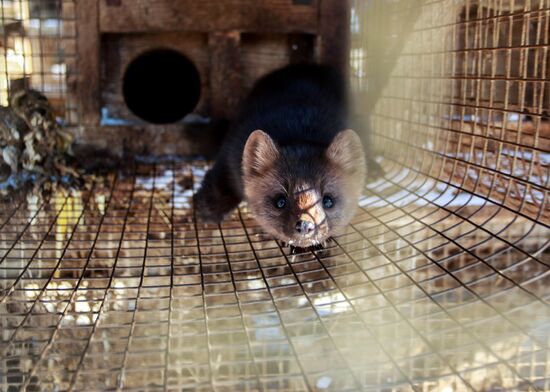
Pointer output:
x,y
307,243
304,248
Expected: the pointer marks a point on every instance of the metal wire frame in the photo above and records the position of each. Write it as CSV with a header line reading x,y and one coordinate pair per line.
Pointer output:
x,y
451,105
440,282
232,272
38,39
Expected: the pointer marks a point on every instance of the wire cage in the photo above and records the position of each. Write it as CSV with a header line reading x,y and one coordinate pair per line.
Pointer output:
x,y
440,283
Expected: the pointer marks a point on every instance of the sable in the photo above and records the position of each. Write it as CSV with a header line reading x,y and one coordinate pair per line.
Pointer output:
x,y
291,157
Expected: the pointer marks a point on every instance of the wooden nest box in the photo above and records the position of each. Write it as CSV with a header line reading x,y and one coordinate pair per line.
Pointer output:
x,y
155,76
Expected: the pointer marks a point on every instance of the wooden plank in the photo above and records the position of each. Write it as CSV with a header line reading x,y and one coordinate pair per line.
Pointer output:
x,y
277,16
301,47
171,139
88,62
334,31
261,54
121,49
225,73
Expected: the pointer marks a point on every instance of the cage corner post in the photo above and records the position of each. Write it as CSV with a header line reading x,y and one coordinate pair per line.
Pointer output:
x,y
225,72
88,62
334,34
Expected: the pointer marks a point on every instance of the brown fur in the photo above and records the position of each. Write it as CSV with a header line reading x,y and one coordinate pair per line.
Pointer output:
x,y
269,170
302,154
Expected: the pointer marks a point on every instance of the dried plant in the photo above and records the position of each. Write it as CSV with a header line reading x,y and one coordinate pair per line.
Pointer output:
x,y
34,147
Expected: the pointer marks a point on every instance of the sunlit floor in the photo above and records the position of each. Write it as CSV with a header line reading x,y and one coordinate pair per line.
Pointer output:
x,y
119,288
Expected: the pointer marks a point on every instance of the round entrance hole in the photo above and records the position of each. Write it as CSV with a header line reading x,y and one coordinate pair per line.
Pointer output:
x,y
161,86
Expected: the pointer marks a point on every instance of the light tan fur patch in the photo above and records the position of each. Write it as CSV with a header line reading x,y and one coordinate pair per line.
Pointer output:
x,y
309,204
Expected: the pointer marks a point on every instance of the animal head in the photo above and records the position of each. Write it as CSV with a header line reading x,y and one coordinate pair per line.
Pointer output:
x,y
303,194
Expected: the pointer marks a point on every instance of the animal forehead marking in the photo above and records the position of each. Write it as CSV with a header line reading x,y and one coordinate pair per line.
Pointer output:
x,y
304,187
307,197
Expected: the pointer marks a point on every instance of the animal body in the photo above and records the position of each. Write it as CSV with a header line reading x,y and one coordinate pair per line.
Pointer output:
x,y
291,157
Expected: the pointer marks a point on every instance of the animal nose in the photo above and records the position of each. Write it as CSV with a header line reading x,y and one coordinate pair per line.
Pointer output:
x,y
304,227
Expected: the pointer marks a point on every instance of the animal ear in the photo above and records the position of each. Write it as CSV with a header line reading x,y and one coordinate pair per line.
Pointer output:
x,y
346,151
260,152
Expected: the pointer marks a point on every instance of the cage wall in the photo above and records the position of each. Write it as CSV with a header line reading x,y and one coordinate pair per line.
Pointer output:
x,y
459,91
455,98
440,283
79,53
38,51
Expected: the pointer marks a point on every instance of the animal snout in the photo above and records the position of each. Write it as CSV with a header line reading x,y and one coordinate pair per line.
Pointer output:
x,y
305,227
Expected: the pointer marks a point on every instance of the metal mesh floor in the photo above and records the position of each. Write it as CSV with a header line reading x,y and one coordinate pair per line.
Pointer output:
x,y
119,289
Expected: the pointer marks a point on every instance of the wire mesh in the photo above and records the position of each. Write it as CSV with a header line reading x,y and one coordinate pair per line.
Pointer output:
x,y
119,288
439,283
38,51
460,91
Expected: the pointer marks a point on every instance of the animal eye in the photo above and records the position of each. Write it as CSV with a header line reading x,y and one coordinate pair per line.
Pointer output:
x,y
280,202
328,202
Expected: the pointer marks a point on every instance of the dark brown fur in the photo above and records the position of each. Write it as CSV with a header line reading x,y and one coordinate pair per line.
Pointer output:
x,y
269,171
290,142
